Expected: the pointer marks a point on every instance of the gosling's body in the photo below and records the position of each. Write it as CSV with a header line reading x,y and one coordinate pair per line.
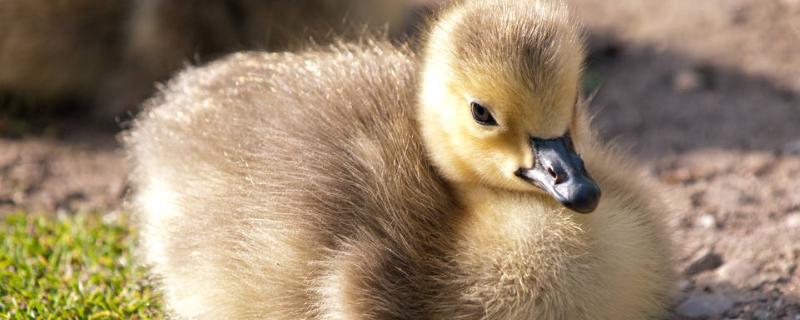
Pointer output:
x,y
269,207
300,186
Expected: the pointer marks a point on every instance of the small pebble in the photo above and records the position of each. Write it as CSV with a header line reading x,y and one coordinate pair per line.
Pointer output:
x,y
704,305
687,80
705,261
762,315
793,220
676,176
707,221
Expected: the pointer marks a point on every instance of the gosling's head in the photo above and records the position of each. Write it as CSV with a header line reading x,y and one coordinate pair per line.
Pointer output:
x,y
500,85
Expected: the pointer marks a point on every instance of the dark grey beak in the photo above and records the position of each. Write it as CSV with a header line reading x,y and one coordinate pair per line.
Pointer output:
x,y
559,171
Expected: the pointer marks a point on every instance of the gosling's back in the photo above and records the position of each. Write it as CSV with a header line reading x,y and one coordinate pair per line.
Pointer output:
x,y
262,176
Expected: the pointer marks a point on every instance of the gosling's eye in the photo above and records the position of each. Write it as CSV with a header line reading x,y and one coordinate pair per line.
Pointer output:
x,y
482,115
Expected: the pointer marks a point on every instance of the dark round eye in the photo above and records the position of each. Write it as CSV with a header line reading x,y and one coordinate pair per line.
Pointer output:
x,y
482,115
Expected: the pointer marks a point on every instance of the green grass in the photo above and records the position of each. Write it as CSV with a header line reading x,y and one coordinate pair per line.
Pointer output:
x,y
74,267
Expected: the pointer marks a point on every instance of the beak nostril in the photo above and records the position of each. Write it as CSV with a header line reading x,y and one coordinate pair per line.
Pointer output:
x,y
559,178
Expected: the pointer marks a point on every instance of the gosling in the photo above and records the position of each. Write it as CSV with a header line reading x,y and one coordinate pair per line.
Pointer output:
x,y
368,182
109,54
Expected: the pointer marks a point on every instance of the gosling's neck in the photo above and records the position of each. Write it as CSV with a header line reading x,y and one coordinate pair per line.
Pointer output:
x,y
509,213
525,234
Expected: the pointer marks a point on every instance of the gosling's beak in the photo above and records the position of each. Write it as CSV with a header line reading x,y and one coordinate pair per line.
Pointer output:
x,y
559,171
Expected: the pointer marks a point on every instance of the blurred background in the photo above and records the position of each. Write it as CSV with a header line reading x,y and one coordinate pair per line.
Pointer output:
x,y
704,94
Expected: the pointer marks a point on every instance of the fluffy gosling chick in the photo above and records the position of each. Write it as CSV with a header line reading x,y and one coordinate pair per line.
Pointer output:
x,y
367,183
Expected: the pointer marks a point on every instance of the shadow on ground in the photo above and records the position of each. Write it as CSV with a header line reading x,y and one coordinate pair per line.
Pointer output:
x,y
725,145
659,103
55,159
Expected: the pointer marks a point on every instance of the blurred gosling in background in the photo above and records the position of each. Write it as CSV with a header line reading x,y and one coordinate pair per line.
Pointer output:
x,y
107,55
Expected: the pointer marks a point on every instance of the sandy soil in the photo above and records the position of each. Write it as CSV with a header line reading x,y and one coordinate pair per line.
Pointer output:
x,y
706,94
80,169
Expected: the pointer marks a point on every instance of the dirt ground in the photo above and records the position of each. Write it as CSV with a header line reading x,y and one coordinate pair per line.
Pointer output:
x,y
706,94
80,168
